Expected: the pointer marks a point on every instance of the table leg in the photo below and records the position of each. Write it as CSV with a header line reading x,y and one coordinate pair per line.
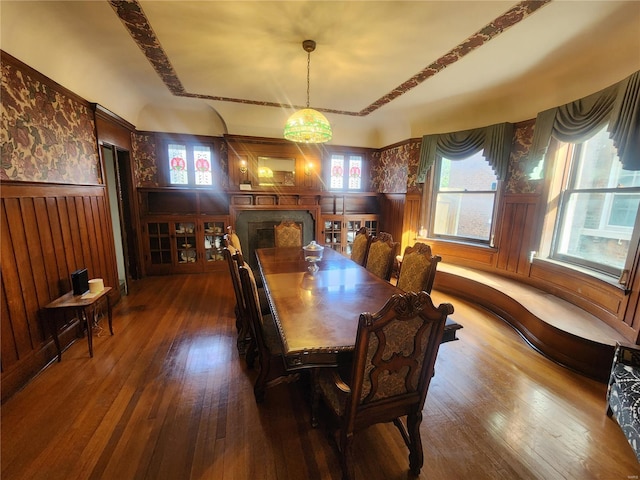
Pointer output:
x,y
53,326
109,316
89,329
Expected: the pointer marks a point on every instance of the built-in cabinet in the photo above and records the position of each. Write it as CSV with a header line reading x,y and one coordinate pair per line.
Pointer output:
x,y
183,230
184,244
339,231
343,215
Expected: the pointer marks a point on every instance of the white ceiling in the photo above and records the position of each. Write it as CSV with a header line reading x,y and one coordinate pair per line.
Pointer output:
x,y
252,52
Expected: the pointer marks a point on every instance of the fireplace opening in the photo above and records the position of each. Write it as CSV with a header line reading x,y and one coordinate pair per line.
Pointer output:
x,y
255,229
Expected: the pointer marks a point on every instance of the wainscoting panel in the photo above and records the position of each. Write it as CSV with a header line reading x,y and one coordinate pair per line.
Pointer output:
x,y
48,231
518,224
392,214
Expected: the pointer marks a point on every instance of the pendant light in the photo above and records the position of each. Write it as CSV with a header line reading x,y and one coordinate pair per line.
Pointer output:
x,y
308,125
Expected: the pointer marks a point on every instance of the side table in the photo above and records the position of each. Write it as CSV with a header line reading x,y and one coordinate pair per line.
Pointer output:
x,y
84,305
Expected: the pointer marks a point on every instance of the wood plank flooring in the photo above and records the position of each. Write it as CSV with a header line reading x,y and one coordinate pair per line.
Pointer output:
x,y
168,397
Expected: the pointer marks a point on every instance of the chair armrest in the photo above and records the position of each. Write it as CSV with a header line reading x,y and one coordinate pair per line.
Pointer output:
x,y
339,383
627,354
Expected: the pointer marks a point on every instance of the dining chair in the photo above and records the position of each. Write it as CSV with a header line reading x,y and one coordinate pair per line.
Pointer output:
x,y
393,363
287,234
381,255
265,341
234,259
360,246
242,319
418,269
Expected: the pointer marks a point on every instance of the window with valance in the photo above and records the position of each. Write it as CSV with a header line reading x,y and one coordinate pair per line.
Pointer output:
x,y
468,168
618,106
589,151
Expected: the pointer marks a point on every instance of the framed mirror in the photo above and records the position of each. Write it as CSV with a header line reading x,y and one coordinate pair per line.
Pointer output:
x,y
276,171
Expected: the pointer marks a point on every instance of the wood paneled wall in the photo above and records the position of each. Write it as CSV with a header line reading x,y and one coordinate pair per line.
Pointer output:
x,y
392,212
48,231
517,226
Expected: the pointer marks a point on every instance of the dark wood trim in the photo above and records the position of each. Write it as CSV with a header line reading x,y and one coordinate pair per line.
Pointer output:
x,y
107,115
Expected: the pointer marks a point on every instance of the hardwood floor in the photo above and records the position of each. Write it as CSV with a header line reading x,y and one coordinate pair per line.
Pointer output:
x,y
168,397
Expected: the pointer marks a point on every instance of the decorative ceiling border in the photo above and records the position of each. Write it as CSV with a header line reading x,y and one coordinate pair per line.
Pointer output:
x,y
131,14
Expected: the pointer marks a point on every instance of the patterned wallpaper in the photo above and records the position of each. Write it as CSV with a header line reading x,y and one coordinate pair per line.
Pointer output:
x,y
517,177
46,134
394,170
144,158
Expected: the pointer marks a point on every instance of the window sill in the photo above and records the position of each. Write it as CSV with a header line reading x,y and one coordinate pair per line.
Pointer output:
x,y
609,280
462,243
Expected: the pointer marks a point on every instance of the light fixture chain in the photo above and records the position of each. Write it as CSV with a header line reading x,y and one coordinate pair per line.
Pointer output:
x,y
308,72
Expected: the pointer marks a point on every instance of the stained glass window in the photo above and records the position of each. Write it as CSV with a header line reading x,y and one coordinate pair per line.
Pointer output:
x,y
190,164
202,165
355,173
178,164
346,172
337,172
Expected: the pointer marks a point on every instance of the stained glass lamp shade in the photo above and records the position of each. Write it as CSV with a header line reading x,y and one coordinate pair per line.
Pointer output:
x,y
308,126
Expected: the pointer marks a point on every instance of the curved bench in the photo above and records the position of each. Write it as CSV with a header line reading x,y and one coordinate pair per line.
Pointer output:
x,y
558,329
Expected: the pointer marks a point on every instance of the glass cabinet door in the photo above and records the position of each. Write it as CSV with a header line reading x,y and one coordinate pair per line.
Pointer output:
x,y
185,240
352,227
159,243
213,236
333,233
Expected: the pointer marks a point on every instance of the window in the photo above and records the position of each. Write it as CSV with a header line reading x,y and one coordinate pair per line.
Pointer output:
x,y
189,164
464,196
345,172
598,206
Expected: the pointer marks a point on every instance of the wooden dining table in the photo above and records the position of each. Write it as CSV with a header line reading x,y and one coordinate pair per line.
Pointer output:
x,y
317,314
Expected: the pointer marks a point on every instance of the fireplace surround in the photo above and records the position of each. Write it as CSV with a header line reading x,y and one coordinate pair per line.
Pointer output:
x,y
254,227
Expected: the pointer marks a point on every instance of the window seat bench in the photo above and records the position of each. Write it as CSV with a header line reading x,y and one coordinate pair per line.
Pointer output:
x,y
556,328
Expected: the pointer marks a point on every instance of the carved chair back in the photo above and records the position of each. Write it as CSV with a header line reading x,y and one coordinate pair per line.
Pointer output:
x,y
360,246
394,358
287,234
233,239
242,319
418,269
382,253
265,338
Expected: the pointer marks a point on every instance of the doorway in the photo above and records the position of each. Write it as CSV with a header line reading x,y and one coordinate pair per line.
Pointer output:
x,y
116,164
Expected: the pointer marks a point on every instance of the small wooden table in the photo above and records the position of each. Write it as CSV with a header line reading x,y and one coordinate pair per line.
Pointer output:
x,y
84,305
317,315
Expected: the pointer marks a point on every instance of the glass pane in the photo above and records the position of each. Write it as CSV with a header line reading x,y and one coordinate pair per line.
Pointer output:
x,y
337,172
470,174
465,215
178,164
597,227
355,173
598,165
202,165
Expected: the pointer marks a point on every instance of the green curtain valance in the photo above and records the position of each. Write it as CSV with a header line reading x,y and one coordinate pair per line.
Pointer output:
x,y
494,141
577,121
